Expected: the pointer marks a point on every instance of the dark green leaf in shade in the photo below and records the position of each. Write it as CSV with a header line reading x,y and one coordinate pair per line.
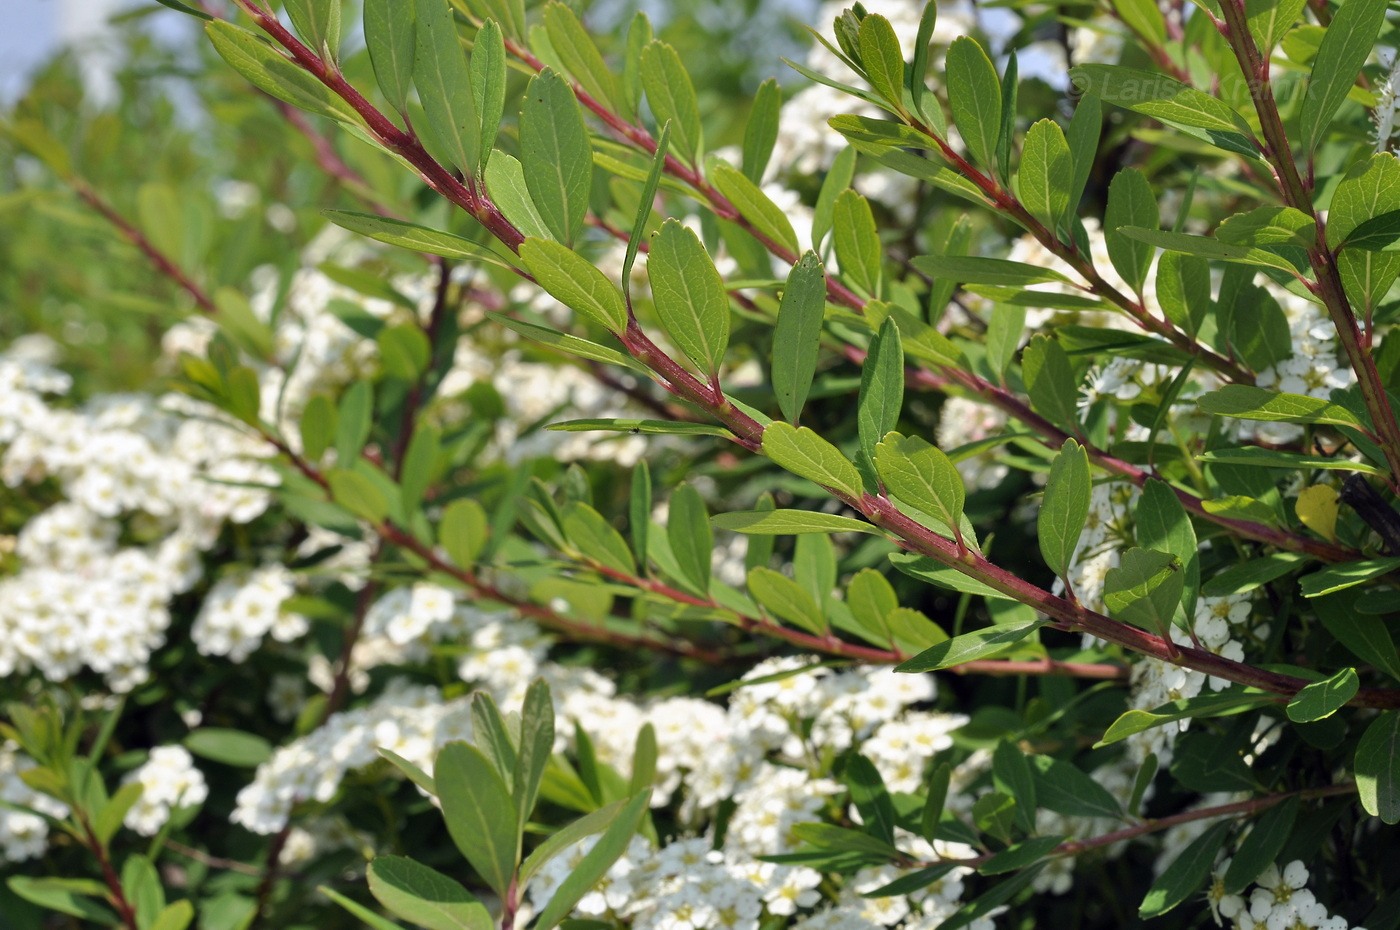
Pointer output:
x,y
575,282
992,899
556,154
1164,525
639,514
1064,509
754,205
488,76
935,797
579,54
1188,871
761,132
808,455
871,798
1130,203
672,97
881,394
1046,172
444,84
1377,768
1050,382
639,36
1263,844
1246,576
797,336
595,864
1066,789
692,540
857,241
272,73
1146,773
1345,47
1183,290
883,59
1370,189
1145,589
370,918
979,644
1011,773
690,295
871,599
389,31
480,813
425,896
789,522
1020,855
974,94
1004,331
494,737
1144,18
1366,638
786,599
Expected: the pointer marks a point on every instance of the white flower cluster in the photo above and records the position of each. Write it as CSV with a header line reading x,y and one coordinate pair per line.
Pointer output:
x,y
169,781
1279,900
1312,369
169,472
238,612
23,835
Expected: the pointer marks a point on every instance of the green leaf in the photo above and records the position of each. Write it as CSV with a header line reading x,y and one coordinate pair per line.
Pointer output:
x,y
789,522
1020,855
579,54
572,345
416,775
979,644
274,74
1184,877
1344,49
1246,576
1322,699
1004,332
505,183
857,241
754,205
989,901
808,455
412,236
488,77
831,836
1377,768
786,599
1011,773
1159,97
1143,18
593,536
425,896
230,747
444,84
690,296
1251,403
970,269
611,845
140,883
1269,226
318,24
672,97
917,73
1335,578
480,813
935,797
692,541
639,513
761,132
881,396
797,336
644,206
1067,789
639,36
317,427
920,474
1130,203
1370,189
1209,248
1085,126
871,599
838,179
358,494
404,351
1268,21
1051,382
1262,846
650,427
1260,457
556,155
974,94
370,918
1163,525
536,747
1145,589
109,819
927,570
1064,510
1046,173
1232,701
176,916
1010,83
1366,638
575,282
463,531
67,896
883,59
566,836
871,798
1183,290
643,760
389,38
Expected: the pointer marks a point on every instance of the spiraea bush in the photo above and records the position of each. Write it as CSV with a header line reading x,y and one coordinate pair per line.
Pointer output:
x,y
487,463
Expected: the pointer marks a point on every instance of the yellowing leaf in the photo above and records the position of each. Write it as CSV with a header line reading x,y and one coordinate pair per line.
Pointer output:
x,y
1317,508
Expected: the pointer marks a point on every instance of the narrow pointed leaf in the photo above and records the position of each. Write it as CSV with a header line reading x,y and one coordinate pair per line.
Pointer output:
x,y
444,84
480,813
1378,768
797,336
389,37
692,540
881,387
1345,46
808,455
690,296
556,154
672,97
1064,510
974,93
575,282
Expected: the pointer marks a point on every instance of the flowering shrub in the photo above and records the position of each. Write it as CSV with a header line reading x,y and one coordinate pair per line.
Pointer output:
x,y
964,498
